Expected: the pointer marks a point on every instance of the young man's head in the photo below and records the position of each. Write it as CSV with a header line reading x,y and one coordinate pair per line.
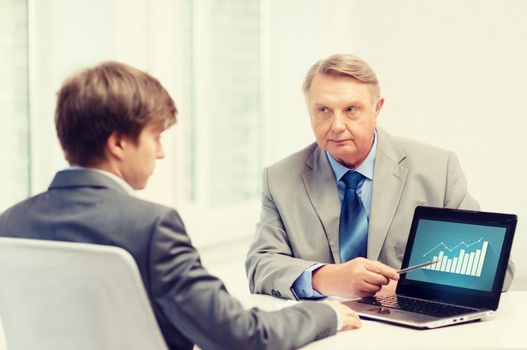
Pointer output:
x,y
111,117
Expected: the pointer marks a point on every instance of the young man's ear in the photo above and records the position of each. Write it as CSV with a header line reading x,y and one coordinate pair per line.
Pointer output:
x,y
115,146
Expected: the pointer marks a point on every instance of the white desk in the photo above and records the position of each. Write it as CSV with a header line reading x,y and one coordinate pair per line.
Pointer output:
x,y
507,329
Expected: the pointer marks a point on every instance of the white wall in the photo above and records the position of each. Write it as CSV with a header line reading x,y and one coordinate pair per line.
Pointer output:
x,y
453,74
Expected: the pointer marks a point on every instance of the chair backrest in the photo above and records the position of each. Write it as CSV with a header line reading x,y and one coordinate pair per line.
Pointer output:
x,y
63,295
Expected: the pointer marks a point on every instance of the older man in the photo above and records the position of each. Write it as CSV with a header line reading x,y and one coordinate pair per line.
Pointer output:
x,y
335,216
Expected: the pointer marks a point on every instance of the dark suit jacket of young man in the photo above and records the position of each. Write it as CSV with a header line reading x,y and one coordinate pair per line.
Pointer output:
x,y
190,305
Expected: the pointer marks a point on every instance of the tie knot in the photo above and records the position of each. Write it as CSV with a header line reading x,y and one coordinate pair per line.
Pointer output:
x,y
352,179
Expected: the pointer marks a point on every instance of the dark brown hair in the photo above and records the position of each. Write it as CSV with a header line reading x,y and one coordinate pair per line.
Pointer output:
x,y
110,97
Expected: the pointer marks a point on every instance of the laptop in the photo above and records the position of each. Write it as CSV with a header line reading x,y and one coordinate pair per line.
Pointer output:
x,y
467,254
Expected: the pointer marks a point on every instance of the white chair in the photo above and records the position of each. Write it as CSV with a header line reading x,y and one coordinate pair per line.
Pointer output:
x,y
73,296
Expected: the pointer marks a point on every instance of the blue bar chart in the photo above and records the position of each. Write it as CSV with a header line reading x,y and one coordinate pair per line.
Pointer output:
x,y
467,262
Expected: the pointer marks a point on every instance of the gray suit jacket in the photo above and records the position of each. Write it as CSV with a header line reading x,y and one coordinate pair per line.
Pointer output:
x,y
299,219
190,305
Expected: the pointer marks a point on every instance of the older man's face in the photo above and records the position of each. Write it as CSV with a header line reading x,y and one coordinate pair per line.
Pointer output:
x,y
343,117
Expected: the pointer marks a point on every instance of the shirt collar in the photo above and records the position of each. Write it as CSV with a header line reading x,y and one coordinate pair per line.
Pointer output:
x,y
114,177
366,167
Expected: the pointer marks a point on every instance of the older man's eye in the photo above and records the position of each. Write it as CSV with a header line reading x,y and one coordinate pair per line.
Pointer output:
x,y
351,109
323,109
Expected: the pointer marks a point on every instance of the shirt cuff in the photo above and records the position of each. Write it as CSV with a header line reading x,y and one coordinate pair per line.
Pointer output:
x,y
303,284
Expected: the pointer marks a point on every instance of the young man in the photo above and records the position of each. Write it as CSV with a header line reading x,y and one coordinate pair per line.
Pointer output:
x,y
109,120
336,215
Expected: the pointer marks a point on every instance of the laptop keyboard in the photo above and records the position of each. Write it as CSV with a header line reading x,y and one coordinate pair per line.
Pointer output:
x,y
416,305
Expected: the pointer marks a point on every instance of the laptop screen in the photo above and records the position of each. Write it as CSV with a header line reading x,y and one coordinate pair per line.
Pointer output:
x,y
471,249
467,254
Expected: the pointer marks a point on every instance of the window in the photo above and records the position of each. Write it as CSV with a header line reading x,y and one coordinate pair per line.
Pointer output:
x,y
223,136
14,116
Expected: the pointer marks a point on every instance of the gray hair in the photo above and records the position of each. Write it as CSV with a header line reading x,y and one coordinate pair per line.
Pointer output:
x,y
344,65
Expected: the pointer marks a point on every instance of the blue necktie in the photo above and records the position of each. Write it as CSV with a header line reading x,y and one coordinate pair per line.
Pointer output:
x,y
353,229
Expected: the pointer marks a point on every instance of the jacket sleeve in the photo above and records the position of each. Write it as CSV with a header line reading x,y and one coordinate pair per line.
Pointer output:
x,y
198,305
457,196
270,263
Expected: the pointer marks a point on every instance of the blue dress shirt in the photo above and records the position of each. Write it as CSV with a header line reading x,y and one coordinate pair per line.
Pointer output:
x,y
303,286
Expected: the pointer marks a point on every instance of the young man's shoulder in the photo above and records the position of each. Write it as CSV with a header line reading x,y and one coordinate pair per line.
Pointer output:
x,y
133,206
117,204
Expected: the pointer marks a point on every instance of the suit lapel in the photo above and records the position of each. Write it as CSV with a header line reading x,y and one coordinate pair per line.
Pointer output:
x,y
389,179
322,191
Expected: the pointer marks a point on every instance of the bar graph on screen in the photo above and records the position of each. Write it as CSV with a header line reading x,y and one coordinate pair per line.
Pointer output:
x,y
469,261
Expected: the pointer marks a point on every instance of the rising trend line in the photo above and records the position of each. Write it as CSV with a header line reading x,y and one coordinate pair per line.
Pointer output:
x,y
451,249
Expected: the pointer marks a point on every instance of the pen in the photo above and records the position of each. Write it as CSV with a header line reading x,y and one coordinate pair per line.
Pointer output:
x,y
418,266
294,294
